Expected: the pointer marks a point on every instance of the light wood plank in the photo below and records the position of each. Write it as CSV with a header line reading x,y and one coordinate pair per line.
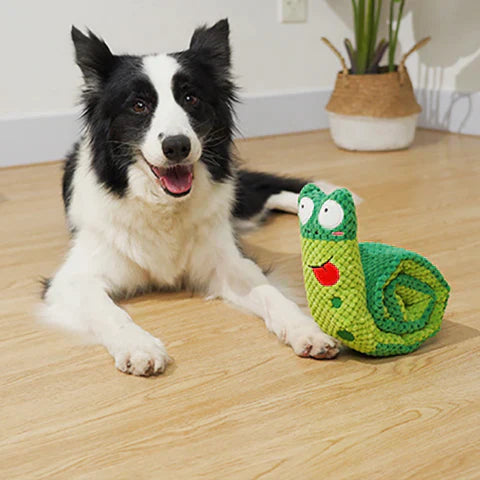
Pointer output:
x,y
236,403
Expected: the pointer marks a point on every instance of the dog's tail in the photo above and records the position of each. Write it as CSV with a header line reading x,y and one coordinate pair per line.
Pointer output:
x,y
257,193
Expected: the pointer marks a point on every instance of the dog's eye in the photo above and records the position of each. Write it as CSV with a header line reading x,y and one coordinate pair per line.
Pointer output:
x,y
191,100
140,106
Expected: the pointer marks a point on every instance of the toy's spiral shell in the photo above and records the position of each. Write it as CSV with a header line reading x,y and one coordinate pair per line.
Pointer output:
x,y
406,296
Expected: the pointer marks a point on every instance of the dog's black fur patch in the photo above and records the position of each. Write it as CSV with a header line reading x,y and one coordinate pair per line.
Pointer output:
x,y
254,189
112,85
205,72
45,283
68,171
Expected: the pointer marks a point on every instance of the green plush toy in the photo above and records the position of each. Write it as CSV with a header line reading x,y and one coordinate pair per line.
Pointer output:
x,y
375,298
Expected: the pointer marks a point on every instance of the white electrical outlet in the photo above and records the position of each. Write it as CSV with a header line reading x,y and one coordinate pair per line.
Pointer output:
x,y
293,11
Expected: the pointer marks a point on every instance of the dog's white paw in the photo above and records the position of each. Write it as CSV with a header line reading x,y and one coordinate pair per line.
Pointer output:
x,y
137,352
307,340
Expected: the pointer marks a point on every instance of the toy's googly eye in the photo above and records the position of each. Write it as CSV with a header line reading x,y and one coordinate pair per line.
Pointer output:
x,y
330,215
305,210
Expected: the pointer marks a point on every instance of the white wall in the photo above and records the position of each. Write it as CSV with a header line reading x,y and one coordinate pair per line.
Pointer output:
x,y
39,75
285,72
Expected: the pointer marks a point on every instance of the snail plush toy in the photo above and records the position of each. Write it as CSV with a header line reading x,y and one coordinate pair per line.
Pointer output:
x,y
375,298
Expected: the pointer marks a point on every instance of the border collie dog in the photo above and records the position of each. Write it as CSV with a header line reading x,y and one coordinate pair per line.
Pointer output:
x,y
154,198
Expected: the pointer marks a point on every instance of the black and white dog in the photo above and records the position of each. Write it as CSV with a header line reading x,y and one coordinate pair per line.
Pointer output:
x,y
154,198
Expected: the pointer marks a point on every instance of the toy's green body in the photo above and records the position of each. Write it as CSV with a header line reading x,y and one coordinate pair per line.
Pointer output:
x,y
377,299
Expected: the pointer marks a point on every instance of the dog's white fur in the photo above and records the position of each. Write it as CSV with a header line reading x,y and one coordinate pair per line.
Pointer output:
x,y
147,238
169,118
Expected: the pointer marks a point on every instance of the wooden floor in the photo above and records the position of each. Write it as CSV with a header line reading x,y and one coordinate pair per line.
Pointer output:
x,y
237,404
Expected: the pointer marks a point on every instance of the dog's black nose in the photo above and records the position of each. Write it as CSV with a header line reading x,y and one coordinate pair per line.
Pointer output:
x,y
176,147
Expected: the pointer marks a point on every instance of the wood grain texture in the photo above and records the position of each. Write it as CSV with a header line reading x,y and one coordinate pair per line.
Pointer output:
x,y
237,404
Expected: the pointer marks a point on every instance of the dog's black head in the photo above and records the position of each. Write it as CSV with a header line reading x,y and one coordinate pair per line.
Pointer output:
x,y
153,119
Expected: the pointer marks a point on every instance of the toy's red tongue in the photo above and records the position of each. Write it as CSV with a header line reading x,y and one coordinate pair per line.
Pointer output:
x,y
176,180
327,274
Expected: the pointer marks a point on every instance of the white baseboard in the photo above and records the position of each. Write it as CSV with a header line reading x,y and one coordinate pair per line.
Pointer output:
x,y
45,137
37,138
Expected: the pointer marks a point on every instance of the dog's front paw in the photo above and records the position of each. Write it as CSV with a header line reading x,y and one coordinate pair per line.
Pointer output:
x,y
309,341
137,352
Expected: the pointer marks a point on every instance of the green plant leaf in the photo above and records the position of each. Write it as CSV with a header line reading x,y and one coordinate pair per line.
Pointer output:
x,y
355,21
393,36
377,22
369,30
362,45
377,57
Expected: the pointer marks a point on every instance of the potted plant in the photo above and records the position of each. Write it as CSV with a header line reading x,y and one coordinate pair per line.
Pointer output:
x,y
373,107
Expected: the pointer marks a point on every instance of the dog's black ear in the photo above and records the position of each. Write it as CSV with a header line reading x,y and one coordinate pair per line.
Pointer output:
x,y
214,42
92,55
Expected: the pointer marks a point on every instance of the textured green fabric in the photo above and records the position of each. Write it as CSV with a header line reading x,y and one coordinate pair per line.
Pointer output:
x,y
378,299
313,230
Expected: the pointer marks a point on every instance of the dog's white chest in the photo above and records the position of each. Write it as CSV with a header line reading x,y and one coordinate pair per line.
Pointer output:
x,y
162,245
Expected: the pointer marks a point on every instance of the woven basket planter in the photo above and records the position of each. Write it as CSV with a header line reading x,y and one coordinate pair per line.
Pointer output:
x,y
374,111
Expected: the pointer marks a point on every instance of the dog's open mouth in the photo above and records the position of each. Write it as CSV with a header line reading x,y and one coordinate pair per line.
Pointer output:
x,y
176,181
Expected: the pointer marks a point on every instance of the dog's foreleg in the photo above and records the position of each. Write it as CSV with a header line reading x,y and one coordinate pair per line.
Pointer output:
x,y
78,299
240,281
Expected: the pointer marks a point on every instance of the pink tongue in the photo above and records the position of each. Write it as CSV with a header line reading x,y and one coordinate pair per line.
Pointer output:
x,y
177,179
